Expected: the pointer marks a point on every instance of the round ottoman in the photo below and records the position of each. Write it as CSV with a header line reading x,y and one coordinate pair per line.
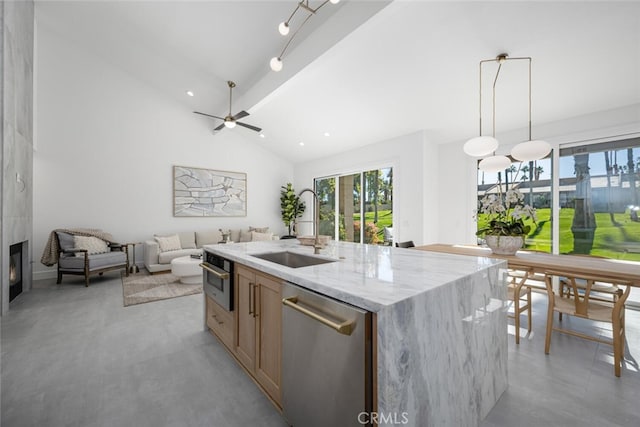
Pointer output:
x,y
187,269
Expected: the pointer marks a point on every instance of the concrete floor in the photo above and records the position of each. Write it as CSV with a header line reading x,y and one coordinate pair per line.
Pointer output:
x,y
575,384
74,356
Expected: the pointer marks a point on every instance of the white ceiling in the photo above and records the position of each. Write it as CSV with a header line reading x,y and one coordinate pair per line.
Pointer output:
x,y
366,71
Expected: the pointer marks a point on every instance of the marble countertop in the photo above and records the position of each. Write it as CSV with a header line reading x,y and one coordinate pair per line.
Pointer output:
x,y
368,276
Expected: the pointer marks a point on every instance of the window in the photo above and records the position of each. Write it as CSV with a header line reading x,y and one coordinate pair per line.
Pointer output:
x,y
353,199
600,199
533,179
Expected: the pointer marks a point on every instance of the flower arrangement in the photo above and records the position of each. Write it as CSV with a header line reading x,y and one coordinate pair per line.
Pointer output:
x,y
506,214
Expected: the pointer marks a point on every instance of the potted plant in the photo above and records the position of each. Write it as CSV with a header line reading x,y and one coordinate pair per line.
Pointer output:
x,y
291,207
505,230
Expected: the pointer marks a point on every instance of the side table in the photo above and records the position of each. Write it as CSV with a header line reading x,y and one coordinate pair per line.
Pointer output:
x,y
133,268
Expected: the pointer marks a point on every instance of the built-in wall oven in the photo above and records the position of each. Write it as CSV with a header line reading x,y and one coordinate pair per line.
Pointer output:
x,y
218,279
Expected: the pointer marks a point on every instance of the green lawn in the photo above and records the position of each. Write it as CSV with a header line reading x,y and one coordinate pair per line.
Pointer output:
x,y
609,241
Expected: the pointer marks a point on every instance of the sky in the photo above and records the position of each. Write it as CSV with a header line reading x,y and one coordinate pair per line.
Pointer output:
x,y
596,163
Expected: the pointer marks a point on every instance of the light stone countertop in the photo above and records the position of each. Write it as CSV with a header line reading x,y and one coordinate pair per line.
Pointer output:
x,y
368,276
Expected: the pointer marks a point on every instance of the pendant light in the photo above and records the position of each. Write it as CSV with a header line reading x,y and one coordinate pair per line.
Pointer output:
x,y
530,150
494,163
483,145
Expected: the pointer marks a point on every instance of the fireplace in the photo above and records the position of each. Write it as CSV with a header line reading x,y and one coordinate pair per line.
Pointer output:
x,y
15,270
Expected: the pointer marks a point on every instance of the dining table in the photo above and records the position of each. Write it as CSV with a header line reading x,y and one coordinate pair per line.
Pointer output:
x,y
606,269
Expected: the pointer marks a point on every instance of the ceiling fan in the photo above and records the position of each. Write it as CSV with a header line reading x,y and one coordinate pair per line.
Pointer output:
x,y
229,120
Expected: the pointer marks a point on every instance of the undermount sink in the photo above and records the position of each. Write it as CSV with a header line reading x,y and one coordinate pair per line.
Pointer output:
x,y
292,259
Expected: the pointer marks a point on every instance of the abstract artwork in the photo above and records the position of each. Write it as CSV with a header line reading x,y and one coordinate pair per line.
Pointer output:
x,y
205,192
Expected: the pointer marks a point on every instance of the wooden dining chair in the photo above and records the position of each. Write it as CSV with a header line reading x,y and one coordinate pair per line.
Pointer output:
x,y
579,303
600,290
520,295
407,244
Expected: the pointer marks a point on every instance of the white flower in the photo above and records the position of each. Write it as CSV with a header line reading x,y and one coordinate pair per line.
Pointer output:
x,y
491,204
513,197
524,212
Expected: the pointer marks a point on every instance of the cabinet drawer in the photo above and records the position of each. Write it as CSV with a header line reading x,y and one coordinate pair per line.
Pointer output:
x,y
220,321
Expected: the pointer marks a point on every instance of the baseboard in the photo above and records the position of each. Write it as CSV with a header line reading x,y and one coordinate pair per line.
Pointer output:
x,y
44,275
53,273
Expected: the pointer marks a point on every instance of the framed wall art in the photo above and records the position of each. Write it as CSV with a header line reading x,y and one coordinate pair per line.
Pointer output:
x,y
207,192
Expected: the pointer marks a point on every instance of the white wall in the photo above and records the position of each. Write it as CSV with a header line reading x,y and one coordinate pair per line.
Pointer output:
x,y
415,171
106,146
456,195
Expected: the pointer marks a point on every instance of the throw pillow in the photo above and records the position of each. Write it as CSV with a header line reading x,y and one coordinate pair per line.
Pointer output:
x,y
259,229
208,237
92,245
187,240
257,237
245,236
66,241
168,243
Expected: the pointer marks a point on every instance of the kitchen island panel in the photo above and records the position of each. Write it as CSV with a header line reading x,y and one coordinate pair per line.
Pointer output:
x,y
442,355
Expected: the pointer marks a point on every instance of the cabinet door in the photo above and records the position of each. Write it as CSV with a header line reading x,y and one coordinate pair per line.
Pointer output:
x,y
269,334
245,308
220,321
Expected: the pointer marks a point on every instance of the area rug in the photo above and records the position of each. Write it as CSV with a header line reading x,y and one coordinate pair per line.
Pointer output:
x,y
143,287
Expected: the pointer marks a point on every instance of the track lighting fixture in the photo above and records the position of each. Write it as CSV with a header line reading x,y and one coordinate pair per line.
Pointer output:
x,y
284,28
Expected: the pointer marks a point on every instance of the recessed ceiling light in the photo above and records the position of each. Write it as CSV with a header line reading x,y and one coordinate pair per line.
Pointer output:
x,y
327,134
190,93
262,135
301,144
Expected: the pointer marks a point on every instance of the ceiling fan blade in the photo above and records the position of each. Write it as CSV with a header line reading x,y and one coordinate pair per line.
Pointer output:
x,y
240,115
209,115
257,129
219,127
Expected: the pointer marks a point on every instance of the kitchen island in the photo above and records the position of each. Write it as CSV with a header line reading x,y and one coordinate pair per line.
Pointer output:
x,y
440,322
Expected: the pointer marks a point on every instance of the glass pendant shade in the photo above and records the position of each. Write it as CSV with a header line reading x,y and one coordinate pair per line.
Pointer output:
x,y
494,164
230,124
276,63
480,146
529,151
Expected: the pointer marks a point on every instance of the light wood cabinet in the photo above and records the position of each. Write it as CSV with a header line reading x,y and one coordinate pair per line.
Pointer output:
x,y
245,342
221,322
258,335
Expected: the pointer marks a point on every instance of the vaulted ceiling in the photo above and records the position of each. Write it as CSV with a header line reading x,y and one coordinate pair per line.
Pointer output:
x,y
366,71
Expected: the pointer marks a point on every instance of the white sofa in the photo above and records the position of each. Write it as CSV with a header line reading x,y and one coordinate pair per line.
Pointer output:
x,y
191,242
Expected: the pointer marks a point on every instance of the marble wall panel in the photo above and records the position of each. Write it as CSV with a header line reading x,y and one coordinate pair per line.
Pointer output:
x,y
16,84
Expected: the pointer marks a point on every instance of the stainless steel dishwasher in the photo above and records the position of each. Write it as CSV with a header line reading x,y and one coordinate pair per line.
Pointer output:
x,y
326,360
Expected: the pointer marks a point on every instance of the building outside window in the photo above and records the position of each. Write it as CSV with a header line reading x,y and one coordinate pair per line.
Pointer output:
x,y
600,199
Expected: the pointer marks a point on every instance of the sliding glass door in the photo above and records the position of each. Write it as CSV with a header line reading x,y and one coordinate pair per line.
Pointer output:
x,y
362,203
326,190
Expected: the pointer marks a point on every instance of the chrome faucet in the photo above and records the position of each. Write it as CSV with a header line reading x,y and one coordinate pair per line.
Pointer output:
x,y
316,220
